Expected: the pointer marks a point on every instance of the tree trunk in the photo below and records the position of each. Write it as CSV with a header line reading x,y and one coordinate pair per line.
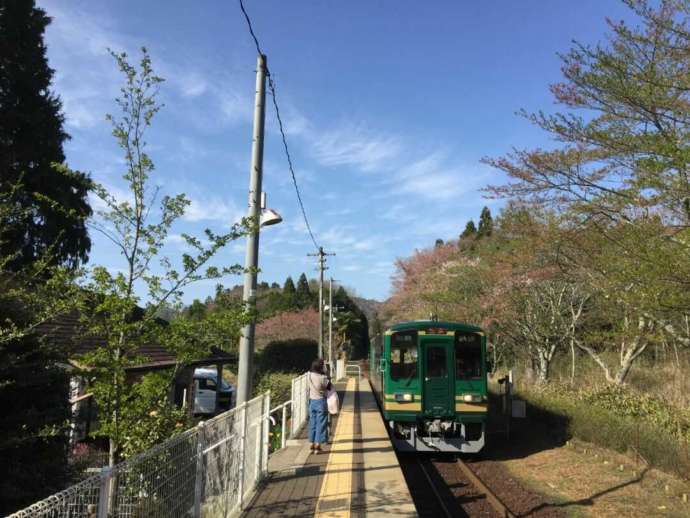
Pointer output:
x,y
572,362
543,370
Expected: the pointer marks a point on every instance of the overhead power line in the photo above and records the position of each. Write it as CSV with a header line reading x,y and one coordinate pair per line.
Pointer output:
x,y
272,88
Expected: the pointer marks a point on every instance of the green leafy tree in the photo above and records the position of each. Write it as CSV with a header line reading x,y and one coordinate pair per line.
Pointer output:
x,y
353,326
196,310
33,381
438,242
625,153
469,232
112,313
52,222
486,224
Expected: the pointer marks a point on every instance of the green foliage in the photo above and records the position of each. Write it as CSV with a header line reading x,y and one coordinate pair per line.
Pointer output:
x,y
351,324
149,414
592,418
486,224
278,383
197,310
52,205
289,287
303,295
470,230
111,313
289,355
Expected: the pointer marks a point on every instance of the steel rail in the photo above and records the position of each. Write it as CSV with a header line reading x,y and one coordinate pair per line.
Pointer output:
x,y
495,502
439,499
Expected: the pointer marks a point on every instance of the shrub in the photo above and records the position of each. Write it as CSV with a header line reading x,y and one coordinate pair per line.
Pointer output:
x,y
613,418
279,383
288,355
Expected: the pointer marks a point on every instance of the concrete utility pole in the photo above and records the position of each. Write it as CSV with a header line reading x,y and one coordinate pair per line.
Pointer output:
x,y
251,261
322,266
330,321
331,356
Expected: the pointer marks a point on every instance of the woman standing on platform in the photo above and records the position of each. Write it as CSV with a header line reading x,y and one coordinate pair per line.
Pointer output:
x,y
318,411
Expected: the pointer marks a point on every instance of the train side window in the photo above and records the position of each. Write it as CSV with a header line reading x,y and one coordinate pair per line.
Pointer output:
x,y
468,355
403,361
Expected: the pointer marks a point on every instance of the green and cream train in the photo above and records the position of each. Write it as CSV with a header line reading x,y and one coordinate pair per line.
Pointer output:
x,y
430,380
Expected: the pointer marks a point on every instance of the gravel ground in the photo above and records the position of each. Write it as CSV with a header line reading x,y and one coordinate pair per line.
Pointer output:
x,y
518,499
461,498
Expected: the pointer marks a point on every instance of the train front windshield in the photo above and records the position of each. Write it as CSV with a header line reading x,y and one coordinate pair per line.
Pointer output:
x,y
468,355
404,355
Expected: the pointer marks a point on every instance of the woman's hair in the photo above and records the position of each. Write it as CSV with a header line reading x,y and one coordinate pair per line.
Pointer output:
x,y
317,366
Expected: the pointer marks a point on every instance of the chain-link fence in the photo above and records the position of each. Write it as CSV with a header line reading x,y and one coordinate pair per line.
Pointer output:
x,y
207,471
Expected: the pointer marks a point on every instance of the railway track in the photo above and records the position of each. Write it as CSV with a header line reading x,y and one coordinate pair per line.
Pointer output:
x,y
490,496
449,488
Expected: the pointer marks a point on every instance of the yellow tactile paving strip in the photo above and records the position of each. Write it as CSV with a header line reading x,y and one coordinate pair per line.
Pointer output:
x,y
335,498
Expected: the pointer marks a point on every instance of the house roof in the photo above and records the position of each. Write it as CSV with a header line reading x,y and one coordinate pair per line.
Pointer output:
x,y
67,333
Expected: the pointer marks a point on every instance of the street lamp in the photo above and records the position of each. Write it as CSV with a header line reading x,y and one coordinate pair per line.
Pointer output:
x,y
258,212
268,216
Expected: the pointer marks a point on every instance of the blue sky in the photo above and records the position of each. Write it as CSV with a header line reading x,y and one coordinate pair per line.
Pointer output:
x,y
388,106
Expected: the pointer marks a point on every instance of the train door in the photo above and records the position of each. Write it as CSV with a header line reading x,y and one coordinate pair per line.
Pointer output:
x,y
439,394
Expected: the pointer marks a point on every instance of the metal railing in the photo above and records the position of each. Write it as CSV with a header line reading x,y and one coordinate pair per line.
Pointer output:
x,y
283,420
351,366
209,470
300,404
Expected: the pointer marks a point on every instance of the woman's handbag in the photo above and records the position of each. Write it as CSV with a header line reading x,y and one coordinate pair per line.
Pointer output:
x,y
332,401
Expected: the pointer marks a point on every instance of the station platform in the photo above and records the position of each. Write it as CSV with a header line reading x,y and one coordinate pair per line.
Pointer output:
x,y
357,475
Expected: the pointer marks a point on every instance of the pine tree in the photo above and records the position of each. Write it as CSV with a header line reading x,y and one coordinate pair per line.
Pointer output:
x,y
304,296
486,223
53,201
288,298
470,230
289,287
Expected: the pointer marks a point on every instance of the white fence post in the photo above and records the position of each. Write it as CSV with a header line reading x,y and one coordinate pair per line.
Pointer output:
x,y
104,493
199,480
283,423
294,408
266,428
243,446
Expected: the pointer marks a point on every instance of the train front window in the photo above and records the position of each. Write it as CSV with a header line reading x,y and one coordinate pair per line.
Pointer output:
x,y
403,362
436,362
468,355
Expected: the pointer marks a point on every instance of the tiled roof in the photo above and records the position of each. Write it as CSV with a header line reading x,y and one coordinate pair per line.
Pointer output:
x,y
67,332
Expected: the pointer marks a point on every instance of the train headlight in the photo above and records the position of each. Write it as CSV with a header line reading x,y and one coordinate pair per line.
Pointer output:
x,y
404,397
471,398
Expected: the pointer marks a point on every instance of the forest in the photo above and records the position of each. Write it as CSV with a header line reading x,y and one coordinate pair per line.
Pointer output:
x,y
581,280
65,318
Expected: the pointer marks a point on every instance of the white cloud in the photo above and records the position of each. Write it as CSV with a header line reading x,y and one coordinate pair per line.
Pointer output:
x,y
212,209
191,84
357,147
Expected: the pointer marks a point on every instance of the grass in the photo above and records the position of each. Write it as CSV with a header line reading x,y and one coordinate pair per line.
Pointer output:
x,y
610,425
584,480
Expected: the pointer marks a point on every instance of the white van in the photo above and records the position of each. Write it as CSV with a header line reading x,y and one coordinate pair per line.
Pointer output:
x,y
205,392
